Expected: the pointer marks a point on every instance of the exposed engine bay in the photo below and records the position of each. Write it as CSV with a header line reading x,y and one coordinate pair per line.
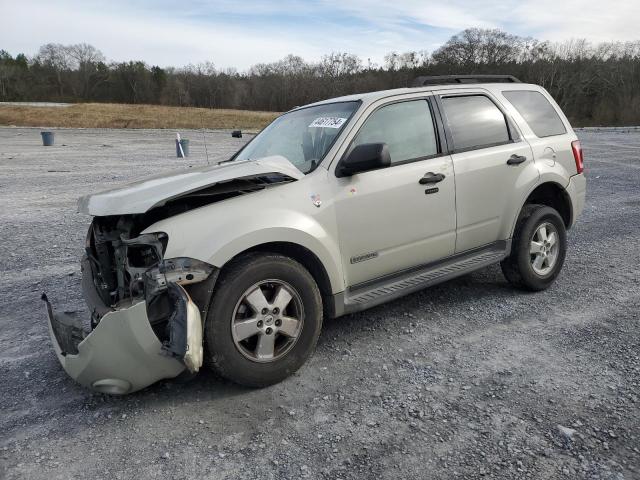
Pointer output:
x,y
147,311
125,266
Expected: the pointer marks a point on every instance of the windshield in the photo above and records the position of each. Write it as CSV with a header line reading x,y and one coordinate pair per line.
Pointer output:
x,y
302,136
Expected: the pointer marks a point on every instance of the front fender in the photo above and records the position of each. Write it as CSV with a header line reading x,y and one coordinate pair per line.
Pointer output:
x,y
215,235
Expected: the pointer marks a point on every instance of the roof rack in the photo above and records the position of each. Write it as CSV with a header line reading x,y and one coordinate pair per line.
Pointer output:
x,y
457,79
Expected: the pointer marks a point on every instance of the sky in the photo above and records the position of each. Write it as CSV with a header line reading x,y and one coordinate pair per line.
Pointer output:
x,y
241,33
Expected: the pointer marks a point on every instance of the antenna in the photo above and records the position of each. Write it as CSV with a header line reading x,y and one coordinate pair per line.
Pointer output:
x,y
204,139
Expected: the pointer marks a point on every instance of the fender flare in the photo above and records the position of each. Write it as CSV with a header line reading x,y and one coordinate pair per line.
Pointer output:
x,y
545,178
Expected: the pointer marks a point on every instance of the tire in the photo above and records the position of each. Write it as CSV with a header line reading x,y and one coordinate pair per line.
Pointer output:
x,y
245,360
525,269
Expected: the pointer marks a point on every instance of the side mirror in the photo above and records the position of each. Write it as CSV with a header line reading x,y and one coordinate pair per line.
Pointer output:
x,y
365,157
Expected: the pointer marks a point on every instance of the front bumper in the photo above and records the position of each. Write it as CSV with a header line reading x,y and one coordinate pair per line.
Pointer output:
x,y
121,355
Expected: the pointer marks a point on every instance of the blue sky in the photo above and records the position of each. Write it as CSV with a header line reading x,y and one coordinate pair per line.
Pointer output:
x,y
245,32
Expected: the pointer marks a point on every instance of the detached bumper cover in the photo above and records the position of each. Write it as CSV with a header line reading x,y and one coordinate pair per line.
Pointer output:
x,y
121,355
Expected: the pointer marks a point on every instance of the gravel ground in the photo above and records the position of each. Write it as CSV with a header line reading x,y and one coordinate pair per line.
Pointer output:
x,y
470,379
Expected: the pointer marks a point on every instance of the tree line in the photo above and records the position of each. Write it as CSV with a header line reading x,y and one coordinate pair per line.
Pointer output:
x,y
594,84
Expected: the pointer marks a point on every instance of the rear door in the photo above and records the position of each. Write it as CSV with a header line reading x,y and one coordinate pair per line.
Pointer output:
x,y
493,166
388,220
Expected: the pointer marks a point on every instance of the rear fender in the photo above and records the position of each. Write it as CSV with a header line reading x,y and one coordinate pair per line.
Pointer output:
x,y
546,176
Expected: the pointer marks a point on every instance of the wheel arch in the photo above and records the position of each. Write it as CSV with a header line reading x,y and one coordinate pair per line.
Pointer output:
x,y
301,245
303,256
551,194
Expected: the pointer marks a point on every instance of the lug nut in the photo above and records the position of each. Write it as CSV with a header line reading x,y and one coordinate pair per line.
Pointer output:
x,y
278,322
264,311
268,332
260,324
276,310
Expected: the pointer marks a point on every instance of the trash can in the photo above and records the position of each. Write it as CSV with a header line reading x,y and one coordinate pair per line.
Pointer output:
x,y
47,138
185,148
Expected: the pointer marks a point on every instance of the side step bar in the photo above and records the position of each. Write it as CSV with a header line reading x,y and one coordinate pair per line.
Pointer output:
x,y
390,287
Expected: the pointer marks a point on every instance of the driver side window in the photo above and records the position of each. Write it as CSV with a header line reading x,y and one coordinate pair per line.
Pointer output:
x,y
406,127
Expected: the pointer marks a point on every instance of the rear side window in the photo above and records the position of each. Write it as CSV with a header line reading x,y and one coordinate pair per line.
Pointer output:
x,y
406,127
475,122
537,112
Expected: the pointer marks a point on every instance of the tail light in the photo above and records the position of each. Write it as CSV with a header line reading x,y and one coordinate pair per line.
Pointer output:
x,y
577,155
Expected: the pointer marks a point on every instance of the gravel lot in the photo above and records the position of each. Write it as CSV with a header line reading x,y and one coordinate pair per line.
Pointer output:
x,y
470,379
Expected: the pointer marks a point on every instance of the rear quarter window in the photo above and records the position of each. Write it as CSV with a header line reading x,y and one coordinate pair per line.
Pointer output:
x,y
537,112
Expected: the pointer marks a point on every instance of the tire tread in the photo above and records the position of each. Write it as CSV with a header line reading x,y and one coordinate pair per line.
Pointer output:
x,y
232,273
516,267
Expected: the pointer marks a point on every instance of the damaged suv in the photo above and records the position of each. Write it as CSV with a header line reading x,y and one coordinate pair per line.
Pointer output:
x,y
333,208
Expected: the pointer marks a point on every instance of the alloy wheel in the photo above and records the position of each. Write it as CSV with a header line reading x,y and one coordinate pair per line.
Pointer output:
x,y
544,249
267,320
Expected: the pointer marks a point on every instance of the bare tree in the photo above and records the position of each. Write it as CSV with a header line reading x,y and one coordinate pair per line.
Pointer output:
x,y
407,60
86,60
55,58
477,46
83,54
594,83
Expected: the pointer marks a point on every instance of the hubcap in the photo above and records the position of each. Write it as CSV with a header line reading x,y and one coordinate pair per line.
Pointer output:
x,y
544,249
267,320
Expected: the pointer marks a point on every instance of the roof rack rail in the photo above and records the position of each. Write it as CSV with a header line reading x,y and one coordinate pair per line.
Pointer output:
x,y
457,79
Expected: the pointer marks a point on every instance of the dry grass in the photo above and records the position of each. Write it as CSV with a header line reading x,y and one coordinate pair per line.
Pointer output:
x,y
112,115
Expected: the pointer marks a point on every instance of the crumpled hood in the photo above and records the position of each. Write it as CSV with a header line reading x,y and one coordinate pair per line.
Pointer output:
x,y
142,196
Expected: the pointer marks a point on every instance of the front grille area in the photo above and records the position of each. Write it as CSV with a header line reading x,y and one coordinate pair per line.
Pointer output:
x,y
119,257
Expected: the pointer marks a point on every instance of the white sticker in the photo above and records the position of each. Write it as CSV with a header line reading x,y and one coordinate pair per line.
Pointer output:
x,y
327,122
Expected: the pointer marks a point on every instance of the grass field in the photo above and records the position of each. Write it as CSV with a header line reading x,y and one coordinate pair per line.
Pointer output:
x,y
111,115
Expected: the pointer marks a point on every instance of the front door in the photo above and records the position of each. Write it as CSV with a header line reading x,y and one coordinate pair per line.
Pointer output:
x,y
388,220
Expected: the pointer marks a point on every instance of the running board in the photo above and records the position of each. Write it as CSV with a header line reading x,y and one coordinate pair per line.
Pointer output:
x,y
390,287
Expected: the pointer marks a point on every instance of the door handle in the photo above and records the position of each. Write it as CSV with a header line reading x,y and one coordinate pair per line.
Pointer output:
x,y
431,177
516,159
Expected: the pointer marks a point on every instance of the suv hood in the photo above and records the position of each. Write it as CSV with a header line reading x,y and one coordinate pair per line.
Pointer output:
x,y
142,196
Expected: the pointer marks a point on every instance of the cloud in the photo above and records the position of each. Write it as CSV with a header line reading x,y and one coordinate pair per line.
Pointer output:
x,y
137,33
233,33
596,21
438,14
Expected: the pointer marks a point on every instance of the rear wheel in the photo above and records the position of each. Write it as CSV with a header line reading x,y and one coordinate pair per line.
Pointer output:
x,y
538,249
264,321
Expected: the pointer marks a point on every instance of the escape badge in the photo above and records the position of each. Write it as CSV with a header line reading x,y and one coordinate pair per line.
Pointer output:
x,y
315,198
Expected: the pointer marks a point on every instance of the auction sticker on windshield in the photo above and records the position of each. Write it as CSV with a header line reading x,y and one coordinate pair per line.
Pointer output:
x,y
327,122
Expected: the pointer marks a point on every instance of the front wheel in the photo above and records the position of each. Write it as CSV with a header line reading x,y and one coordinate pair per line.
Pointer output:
x,y
538,250
264,321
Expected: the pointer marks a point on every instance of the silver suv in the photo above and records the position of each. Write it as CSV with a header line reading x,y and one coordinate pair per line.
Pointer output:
x,y
333,208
